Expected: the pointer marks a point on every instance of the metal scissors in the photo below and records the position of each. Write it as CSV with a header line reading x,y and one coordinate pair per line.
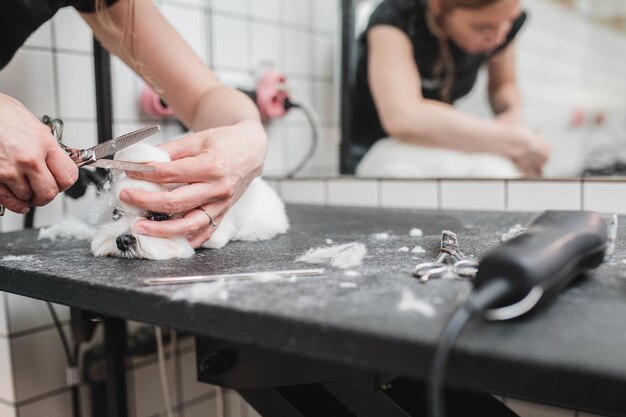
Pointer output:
x,y
96,156
240,276
461,266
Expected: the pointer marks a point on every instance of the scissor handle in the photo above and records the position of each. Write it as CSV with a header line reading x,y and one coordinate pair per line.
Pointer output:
x,y
466,267
56,128
425,270
466,263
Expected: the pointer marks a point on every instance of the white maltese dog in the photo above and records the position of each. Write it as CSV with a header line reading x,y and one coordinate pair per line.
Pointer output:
x,y
390,158
258,215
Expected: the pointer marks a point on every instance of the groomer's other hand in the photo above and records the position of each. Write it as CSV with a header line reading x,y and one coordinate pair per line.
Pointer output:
x,y
217,165
33,167
533,155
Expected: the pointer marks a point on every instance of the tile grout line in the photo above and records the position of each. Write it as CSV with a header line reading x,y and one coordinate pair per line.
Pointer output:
x,y
439,194
10,345
35,330
326,188
506,194
582,194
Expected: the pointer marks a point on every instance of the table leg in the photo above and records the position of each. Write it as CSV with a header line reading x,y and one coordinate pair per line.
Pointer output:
x,y
115,353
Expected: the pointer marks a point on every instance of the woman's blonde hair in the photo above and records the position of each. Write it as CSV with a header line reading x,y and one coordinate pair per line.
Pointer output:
x,y
445,60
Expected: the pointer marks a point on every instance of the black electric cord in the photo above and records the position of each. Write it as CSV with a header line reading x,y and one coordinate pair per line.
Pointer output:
x,y
314,136
479,300
71,357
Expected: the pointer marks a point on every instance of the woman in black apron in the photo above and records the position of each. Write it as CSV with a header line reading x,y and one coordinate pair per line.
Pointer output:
x,y
417,57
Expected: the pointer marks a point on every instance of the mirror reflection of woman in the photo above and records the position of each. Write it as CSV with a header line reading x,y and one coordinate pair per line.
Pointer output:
x,y
416,58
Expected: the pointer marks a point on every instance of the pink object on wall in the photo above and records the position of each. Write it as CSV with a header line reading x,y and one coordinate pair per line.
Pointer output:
x,y
272,95
600,118
152,105
577,118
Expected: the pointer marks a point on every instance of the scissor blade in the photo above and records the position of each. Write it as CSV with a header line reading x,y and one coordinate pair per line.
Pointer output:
x,y
244,276
122,165
111,146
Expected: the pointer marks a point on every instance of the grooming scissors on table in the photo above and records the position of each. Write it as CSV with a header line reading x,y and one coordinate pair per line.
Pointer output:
x,y
460,266
239,276
97,156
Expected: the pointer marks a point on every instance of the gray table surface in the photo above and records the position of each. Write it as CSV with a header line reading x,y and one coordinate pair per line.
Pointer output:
x,y
581,337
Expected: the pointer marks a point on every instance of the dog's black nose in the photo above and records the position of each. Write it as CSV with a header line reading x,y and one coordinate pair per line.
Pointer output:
x,y
125,242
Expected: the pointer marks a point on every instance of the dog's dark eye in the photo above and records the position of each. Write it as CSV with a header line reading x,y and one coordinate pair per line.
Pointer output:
x,y
116,214
157,217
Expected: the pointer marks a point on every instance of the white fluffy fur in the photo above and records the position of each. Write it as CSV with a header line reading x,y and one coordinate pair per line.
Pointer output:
x,y
258,215
390,158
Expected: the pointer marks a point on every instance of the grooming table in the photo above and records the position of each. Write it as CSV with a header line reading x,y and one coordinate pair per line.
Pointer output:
x,y
312,346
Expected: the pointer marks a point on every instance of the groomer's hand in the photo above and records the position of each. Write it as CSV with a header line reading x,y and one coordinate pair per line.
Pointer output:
x,y
33,167
216,166
533,155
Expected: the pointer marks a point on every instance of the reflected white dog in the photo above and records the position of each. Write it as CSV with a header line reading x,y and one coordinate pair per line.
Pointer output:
x,y
258,215
390,158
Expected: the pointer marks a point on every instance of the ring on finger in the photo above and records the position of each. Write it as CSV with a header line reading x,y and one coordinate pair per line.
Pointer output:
x,y
211,222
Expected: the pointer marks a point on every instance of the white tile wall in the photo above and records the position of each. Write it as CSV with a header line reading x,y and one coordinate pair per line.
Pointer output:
x,y
146,389
76,81
28,78
39,364
127,87
326,15
80,134
266,45
276,157
297,53
27,314
472,195
298,12
42,37
7,410
195,3
57,405
7,387
296,145
325,55
51,214
71,32
267,9
350,192
232,6
608,197
191,387
304,192
326,102
544,195
206,408
11,222
230,42
408,194
4,325
190,24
